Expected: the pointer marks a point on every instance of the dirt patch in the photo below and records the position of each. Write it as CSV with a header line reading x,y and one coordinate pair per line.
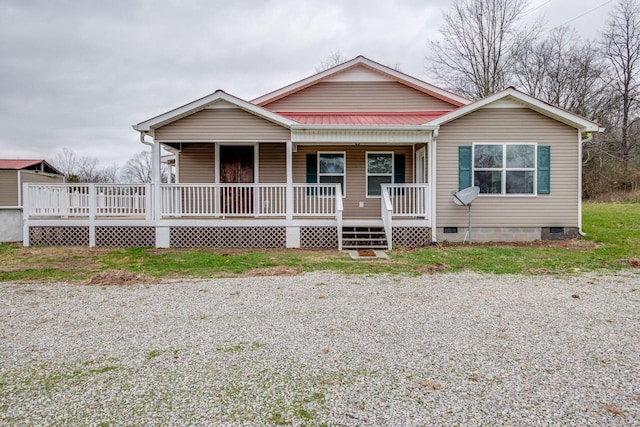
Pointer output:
x,y
631,262
431,268
119,277
540,270
67,258
272,271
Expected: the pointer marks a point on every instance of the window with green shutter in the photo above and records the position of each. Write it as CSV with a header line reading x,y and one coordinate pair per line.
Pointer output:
x,y
505,168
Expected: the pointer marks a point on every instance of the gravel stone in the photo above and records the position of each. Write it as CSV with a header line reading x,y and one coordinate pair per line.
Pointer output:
x,y
324,349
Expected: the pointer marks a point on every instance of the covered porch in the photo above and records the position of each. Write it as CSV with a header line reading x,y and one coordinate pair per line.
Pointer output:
x,y
264,215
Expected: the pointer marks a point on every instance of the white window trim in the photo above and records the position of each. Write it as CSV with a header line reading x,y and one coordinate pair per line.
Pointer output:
x,y
343,174
504,169
367,174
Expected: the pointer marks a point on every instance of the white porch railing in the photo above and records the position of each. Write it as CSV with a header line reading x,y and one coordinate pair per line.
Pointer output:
x,y
316,199
87,200
198,200
258,200
403,201
408,200
386,212
180,200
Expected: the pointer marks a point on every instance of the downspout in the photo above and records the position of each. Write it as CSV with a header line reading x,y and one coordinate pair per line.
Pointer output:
x,y
432,184
142,134
580,143
155,178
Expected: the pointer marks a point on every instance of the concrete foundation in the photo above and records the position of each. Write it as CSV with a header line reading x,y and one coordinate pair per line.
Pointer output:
x,y
10,225
506,234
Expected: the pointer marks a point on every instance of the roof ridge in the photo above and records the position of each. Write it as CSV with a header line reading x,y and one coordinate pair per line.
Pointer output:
x,y
363,113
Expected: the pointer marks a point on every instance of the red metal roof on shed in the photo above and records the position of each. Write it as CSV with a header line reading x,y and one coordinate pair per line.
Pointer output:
x,y
17,163
363,118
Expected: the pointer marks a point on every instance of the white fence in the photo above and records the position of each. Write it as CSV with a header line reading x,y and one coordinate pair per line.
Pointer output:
x,y
86,200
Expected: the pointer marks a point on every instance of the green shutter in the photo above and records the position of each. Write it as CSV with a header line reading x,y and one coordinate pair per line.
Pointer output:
x,y
398,168
312,172
544,169
312,168
464,167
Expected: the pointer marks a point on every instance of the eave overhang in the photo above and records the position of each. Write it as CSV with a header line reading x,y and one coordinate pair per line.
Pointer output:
x,y
163,119
559,114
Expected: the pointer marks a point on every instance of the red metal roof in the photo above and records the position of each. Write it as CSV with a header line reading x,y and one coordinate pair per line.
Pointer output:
x,y
363,118
17,163
37,165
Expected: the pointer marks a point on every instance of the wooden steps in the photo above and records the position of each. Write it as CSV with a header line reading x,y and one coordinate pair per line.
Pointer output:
x,y
364,238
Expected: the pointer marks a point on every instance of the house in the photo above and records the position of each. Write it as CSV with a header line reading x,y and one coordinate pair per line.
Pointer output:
x,y
14,173
359,155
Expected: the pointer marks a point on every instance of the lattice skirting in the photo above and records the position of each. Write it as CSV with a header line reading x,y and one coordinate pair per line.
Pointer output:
x,y
59,236
412,237
228,237
318,237
119,237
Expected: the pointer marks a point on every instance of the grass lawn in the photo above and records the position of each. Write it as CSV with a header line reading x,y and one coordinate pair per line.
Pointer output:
x,y
612,243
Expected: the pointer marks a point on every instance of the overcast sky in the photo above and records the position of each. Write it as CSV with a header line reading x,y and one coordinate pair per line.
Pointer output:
x,y
79,73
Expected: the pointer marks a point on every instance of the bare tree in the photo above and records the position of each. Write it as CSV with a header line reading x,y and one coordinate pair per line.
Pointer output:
x,y
66,162
83,169
110,173
334,58
479,40
139,169
562,70
621,47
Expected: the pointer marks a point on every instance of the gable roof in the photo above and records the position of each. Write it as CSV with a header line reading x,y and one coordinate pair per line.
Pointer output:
x,y
529,101
361,61
204,102
19,164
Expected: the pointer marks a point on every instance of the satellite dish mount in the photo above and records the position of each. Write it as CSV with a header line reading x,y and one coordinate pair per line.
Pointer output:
x,y
464,198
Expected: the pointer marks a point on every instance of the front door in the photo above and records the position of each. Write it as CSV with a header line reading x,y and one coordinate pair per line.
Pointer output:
x,y
236,167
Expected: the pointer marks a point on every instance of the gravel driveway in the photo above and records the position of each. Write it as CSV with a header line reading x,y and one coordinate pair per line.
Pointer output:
x,y
324,349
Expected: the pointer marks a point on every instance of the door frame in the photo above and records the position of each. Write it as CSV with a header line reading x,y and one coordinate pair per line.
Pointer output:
x,y
421,178
256,158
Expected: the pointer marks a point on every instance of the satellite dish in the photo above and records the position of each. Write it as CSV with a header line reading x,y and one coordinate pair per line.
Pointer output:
x,y
464,198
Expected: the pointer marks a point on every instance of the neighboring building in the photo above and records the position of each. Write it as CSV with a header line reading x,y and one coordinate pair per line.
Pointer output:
x,y
14,173
359,155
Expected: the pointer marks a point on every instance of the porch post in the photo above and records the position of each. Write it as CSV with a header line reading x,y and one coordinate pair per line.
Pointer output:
x,y
292,232
156,180
289,192
432,184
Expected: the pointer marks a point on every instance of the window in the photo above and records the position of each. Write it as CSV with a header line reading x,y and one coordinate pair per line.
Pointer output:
x,y
379,171
331,169
505,168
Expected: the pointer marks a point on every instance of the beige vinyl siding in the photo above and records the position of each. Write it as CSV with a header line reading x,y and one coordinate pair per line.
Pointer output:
x,y
355,175
197,164
273,164
8,188
9,183
560,208
40,178
359,96
222,125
